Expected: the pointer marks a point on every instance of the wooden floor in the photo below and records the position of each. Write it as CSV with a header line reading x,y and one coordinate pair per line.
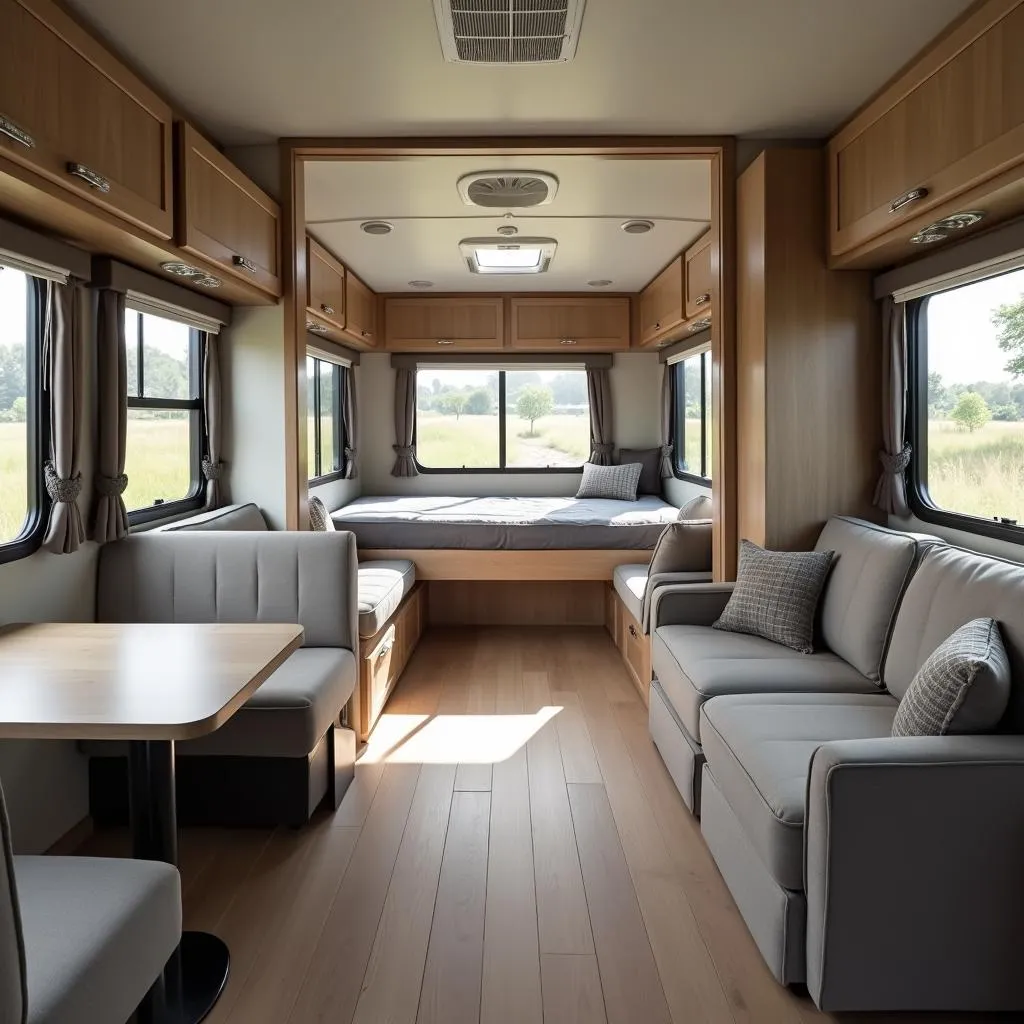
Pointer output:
x,y
512,851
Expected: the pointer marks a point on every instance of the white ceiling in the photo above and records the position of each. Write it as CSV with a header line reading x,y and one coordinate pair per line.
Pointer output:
x,y
594,197
257,70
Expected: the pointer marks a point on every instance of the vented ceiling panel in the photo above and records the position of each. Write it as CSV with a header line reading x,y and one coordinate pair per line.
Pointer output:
x,y
509,31
498,190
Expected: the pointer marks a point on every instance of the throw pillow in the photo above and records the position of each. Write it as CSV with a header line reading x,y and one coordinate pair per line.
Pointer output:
x,y
683,547
319,518
776,595
696,508
650,474
618,482
963,686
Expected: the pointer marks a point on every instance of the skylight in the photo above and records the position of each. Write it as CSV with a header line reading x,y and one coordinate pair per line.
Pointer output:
x,y
503,256
514,257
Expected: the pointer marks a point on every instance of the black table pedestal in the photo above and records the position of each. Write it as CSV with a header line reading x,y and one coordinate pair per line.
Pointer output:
x,y
197,972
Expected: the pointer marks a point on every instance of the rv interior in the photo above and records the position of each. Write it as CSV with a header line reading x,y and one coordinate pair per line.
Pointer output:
x,y
511,511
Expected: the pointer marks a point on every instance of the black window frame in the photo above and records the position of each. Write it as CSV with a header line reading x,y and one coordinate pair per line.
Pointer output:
x,y
195,499
921,504
37,423
502,436
338,472
677,418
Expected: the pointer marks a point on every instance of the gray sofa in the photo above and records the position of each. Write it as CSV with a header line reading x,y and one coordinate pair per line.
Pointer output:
x,y
225,518
285,750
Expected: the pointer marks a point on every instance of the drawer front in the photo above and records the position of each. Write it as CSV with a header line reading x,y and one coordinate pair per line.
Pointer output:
x,y
698,278
426,325
360,313
570,324
382,667
325,278
661,304
72,114
637,654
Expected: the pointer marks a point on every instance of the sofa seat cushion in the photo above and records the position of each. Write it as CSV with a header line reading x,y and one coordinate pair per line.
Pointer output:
x,y
695,663
630,582
291,712
97,934
382,587
759,748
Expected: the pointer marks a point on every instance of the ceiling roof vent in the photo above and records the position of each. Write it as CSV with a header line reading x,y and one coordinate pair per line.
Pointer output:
x,y
507,190
509,31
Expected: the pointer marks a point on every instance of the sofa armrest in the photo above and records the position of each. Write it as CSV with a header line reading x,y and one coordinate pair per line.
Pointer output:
x,y
662,579
689,604
913,873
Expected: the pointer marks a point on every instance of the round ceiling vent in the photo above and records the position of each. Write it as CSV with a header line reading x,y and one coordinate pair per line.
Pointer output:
x,y
602,282
507,189
508,230
637,227
421,284
377,227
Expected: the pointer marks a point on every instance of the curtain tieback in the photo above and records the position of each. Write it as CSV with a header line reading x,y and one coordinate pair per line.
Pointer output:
x,y
64,490
111,486
213,469
406,451
896,464
604,449
667,450
351,453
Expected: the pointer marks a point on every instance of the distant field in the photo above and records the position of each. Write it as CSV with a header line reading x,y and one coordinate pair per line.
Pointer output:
x,y
13,479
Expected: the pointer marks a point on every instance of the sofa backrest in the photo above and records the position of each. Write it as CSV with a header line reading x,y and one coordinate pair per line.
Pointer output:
x,y
871,568
951,587
228,517
308,578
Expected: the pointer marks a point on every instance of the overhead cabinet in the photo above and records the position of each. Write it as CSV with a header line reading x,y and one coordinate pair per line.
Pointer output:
x,y
678,301
442,324
698,277
74,115
567,325
325,279
360,313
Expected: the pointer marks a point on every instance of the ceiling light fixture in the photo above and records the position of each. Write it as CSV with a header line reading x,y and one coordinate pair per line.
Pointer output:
x,y
421,284
377,227
508,230
600,283
942,229
498,256
637,227
181,269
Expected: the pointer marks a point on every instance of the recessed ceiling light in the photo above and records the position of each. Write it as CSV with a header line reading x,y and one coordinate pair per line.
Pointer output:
x,y
600,283
508,230
377,227
499,256
637,227
421,284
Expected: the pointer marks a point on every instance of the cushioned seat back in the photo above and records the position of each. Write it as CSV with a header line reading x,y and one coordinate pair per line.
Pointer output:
x,y
12,961
308,578
226,518
870,570
953,586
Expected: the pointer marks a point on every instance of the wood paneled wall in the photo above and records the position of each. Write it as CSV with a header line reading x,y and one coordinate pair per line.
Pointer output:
x,y
809,360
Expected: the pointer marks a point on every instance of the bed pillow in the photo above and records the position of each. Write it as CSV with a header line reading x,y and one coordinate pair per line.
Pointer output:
x,y
320,520
616,482
683,547
650,475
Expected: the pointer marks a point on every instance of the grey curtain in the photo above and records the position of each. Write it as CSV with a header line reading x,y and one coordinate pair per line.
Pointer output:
x,y
110,518
602,424
350,417
667,445
405,423
213,465
64,379
891,492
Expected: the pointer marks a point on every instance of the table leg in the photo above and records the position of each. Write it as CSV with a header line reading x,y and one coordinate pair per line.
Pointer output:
x,y
198,970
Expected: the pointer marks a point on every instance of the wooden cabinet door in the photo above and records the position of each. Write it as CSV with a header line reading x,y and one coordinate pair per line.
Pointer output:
x,y
698,277
570,325
360,313
661,304
952,121
444,324
325,286
73,114
224,217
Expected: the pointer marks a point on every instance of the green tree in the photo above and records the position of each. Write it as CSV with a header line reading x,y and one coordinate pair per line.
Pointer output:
x,y
453,403
938,398
1008,413
1009,319
480,403
971,411
12,374
570,388
533,404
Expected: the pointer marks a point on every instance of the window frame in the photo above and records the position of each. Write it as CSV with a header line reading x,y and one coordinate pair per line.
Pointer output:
x,y
677,417
339,372
196,498
37,425
916,432
502,469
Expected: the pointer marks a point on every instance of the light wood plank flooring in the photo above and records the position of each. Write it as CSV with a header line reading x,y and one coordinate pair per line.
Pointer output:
x,y
512,851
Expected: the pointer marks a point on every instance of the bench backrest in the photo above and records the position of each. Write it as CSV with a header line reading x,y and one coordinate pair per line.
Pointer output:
x,y
226,518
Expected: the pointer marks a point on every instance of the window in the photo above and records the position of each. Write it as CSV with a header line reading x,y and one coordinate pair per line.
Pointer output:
x,y
691,416
326,438
967,406
22,415
485,420
163,456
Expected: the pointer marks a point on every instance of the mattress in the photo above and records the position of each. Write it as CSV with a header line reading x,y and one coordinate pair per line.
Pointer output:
x,y
524,524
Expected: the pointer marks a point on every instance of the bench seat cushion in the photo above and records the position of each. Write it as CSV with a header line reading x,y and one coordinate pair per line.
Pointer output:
x,y
759,748
695,663
630,581
97,934
382,587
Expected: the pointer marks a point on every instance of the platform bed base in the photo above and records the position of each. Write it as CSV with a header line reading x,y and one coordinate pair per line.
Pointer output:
x,y
237,792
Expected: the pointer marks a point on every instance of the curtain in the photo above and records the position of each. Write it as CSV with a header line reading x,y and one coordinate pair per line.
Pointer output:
x,y
110,518
350,417
213,465
667,444
602,423
891,492
405,423
64,379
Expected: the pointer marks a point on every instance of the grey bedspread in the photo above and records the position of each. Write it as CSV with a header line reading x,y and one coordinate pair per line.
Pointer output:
x,y
524,524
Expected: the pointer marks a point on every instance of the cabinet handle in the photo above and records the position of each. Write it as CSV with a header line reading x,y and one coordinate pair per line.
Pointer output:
x,y
700,325
315,328
633,633
703,300
445,341
567,341
244,264
366,334
12,131
89,176
329,310
907,198
386,646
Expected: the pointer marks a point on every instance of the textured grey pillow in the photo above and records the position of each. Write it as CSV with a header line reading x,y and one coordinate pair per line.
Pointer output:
x,y
650,474
683,547
696,508
776,595
319,518
618,482
963,686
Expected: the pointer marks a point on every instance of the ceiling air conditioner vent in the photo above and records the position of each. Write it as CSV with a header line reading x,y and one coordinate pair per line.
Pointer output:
x,y
507,190
509,31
